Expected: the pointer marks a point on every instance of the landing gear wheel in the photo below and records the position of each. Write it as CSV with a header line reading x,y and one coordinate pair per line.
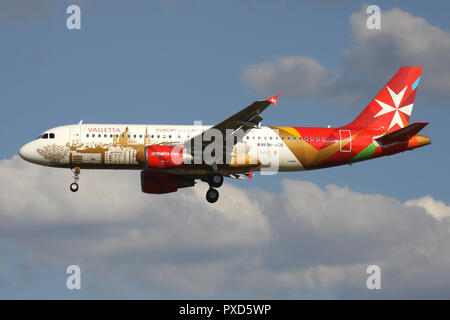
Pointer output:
x,y
212,195
76,176
74,187
215,180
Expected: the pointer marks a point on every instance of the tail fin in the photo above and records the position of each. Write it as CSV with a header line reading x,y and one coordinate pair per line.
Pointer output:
x,y
392,107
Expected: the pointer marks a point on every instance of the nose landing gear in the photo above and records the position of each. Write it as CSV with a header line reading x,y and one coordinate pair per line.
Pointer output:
x,y
74,187
215,181
76,176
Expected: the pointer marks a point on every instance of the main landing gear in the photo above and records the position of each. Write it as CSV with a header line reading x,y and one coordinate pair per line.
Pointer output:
x,y
76,176
212,195
215,181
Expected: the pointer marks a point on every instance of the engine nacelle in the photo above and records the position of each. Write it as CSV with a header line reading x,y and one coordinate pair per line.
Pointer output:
x,y
157,183
162,157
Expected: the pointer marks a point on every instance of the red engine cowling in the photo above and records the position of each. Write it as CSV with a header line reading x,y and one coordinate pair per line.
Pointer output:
x,y
161,157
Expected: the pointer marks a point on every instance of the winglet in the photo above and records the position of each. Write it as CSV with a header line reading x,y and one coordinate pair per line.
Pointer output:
x,y
273,100
249,175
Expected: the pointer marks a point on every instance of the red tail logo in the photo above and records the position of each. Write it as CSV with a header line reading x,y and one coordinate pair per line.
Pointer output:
x,y
392,107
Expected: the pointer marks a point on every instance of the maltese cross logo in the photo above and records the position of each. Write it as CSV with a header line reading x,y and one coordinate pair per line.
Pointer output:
x,y
386,108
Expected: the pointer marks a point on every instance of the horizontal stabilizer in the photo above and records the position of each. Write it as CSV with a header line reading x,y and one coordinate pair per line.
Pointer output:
x,y
405,133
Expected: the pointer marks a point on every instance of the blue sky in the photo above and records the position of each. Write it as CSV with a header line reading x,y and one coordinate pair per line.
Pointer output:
x,y
174,62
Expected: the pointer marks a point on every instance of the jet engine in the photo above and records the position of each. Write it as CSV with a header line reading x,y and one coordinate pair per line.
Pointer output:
x,y
163,157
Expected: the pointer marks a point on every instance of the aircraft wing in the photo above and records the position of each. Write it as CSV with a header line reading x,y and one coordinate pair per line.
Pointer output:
x,y
245,119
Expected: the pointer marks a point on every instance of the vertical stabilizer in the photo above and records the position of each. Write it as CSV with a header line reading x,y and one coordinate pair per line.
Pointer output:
x,y
392,107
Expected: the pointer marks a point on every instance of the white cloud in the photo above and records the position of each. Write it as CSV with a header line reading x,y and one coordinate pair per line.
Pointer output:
x,y
288,76
250,243
38,196
373,59
437,209
403,40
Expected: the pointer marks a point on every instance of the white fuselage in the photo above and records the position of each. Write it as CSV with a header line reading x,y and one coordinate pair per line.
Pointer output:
x,y
111,146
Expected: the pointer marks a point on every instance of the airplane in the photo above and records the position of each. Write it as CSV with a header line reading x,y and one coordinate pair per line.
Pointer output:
x,y
170,156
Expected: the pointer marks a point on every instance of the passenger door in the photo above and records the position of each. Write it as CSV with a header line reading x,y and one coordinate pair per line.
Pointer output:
x,y
75,136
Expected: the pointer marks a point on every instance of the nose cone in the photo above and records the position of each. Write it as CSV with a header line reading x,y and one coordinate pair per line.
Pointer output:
x,y
27,153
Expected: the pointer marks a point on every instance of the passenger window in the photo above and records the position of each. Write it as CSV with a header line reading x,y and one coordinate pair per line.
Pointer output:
x,y
289,138
282,138
295,138
45,136
312,138
323,139
306,138
299,138
318,139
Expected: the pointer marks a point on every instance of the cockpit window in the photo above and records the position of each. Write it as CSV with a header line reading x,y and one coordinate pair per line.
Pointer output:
x,y
52,136
45,136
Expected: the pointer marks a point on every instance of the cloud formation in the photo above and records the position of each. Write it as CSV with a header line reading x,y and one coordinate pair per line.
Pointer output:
x,y
305,240
291,76
373,59
437,209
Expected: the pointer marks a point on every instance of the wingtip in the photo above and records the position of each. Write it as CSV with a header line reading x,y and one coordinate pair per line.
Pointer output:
x,y
273,100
